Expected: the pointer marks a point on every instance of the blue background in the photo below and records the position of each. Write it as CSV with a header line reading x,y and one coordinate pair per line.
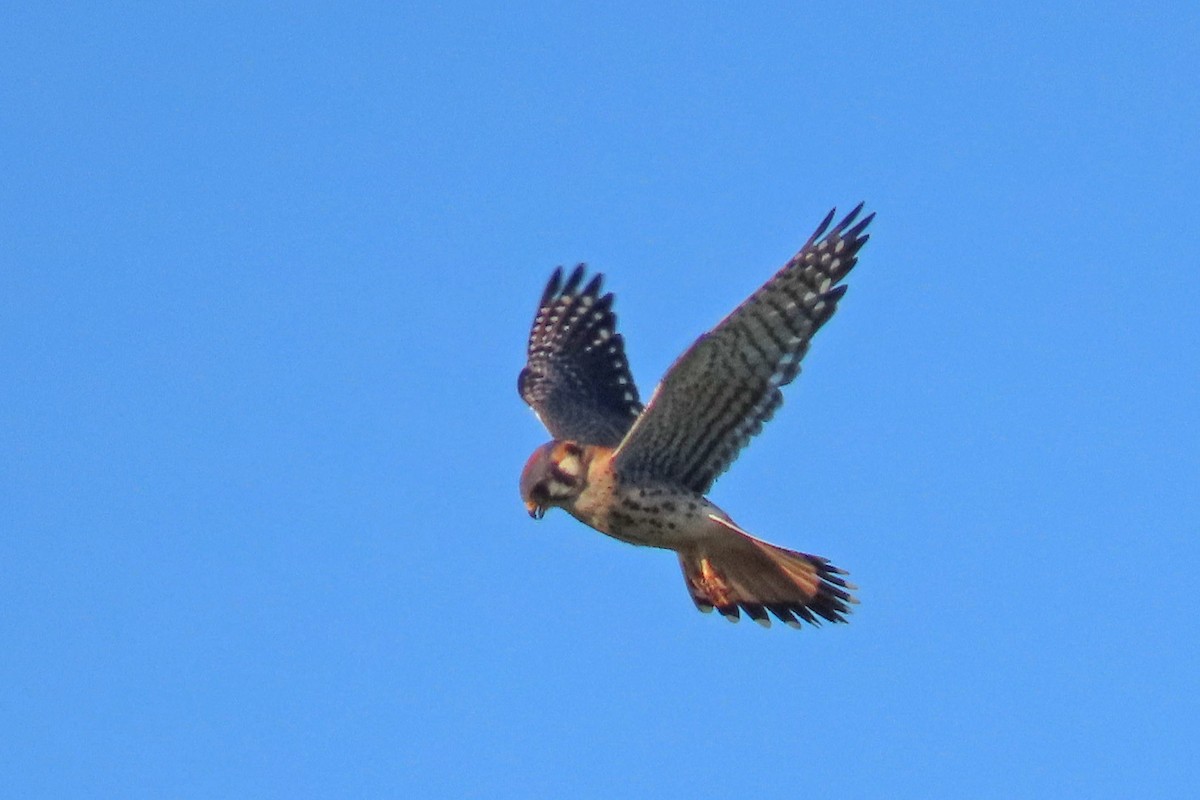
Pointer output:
x,y
266,275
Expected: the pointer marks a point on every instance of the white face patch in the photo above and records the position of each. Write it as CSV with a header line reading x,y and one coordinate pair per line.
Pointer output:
x,y
560,491
570,465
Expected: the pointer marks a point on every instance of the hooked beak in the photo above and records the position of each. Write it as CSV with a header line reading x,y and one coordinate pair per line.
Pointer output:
x,y
535,511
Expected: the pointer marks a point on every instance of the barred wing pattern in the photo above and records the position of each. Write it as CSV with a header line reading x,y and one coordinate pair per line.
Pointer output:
x,y
576,377
719,393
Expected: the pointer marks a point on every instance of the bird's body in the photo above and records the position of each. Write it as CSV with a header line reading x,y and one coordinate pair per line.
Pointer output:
x,y
640,474
651,515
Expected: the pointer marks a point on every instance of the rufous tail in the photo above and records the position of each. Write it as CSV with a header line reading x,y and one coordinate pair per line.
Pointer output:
x,y
737,571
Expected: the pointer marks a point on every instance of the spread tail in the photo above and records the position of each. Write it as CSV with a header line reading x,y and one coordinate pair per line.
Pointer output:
x,y
737,571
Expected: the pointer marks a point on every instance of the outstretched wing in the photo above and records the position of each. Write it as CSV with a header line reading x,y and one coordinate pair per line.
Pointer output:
x,y
719,393
577,378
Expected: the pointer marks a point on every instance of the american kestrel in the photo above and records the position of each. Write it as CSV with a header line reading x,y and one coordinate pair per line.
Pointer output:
x,y
640,474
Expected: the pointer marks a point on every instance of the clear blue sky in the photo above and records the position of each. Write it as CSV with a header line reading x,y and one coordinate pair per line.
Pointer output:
x,y
266,275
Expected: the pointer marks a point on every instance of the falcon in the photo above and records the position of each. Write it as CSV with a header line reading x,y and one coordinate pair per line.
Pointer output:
x,y
640,474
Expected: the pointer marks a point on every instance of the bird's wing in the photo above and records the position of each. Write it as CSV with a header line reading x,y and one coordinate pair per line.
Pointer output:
x,y
576,377
718,394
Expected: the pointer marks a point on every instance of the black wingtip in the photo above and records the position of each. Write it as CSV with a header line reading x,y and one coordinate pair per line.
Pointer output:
x,y
835,294
574,280
824,226
593,286
856,233
552,286
557,286
850,217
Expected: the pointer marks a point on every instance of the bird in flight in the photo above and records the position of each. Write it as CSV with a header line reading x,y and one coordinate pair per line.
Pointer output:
x,y
639,474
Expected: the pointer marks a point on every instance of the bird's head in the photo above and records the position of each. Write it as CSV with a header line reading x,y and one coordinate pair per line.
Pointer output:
x,y
553,476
